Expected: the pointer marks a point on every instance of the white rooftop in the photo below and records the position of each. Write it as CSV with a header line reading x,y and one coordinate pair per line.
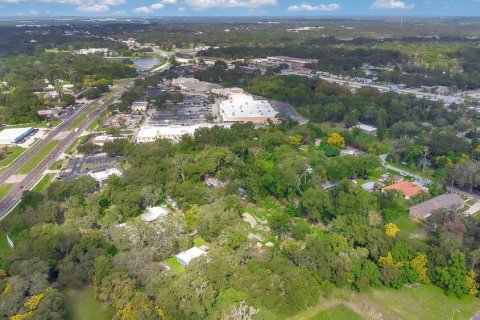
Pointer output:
x,y
186,256
366,127
244,105
145,132
140,104
101,176
154,213
12,135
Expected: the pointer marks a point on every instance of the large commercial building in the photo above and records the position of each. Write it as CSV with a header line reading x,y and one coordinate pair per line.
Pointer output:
x,y
194,85
13,136
174,132
240,107
103,175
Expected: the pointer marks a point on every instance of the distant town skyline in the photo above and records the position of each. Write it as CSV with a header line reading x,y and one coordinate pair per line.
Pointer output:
x,y
151,8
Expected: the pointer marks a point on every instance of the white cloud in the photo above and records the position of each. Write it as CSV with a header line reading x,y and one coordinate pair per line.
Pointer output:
x,y
154,7
392,4
157,6
94,8
142,10
91,6
228,4
320,7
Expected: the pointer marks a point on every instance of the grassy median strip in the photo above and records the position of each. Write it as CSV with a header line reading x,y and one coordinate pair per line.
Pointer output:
x,y
78,121
4,189
43,184
38,157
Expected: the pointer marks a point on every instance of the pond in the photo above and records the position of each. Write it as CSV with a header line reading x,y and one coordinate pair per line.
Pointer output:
x,y
146,63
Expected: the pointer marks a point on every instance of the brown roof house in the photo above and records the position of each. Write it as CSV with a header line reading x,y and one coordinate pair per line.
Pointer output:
x,y
407,188
446,201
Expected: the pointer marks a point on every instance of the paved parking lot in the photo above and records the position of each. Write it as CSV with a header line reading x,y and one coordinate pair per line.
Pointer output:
x,y
192,110
79,166
288,111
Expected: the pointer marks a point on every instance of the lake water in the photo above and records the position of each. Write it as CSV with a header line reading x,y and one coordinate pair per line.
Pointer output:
x,y
147,63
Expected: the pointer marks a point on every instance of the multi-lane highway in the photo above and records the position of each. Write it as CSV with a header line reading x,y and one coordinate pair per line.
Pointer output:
x,y
92,110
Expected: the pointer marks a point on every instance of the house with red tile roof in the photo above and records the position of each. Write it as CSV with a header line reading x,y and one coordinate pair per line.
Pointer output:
x,y
407,188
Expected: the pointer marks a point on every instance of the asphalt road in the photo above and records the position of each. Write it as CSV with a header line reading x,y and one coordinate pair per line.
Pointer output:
x,y
13,197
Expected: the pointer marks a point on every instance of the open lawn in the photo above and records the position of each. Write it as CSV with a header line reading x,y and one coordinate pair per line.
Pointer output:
x,y
73,147
198,241
12,154
14,235
339,312
406,224
40,124
423,302
176,266
426,302
57,165
43,184
3,243
81,305
4,189
39,156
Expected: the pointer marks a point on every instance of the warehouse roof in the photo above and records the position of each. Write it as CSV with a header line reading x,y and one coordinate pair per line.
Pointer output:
x,y
14,135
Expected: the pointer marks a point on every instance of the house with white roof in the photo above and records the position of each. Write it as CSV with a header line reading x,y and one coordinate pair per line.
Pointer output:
x,y
103,175
155,213
185,257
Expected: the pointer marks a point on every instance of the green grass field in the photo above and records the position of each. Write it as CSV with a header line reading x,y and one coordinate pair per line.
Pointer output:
x,y
41,124
81,305
12,154
339,312
14,235
43,184
4,189
57,165
39,156
426,302
176,266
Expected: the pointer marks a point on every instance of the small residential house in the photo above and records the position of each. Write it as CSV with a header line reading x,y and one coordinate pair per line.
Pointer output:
x,y
185,257
154,213
407,188
423,210
365,128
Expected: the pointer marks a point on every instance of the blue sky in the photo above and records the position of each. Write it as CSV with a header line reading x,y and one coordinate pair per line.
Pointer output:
x,y
111,8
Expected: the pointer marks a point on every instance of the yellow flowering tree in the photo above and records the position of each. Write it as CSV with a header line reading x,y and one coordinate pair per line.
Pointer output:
x,y
295,140
471,282
419,264
336,140
21,316
7,289
391,230
34,301
388,261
